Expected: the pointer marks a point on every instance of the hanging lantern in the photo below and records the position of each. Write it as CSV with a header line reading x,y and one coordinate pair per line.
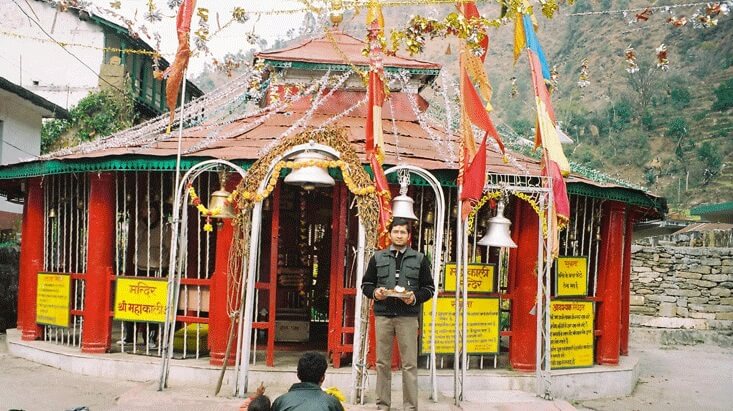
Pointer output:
x,y
309,177
498,234
219,200
402,205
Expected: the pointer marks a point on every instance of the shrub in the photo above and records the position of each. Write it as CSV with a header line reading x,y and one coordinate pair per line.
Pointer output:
x,y
724,96
677,127
680,97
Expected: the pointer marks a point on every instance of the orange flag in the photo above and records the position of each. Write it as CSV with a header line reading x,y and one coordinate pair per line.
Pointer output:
x,y
175,72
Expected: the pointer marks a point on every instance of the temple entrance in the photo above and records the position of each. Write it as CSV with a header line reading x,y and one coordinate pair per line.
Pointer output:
x,y
303,268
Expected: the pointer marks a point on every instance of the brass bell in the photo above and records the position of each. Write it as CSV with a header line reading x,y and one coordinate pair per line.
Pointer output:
x,y
498,234
218,200
309,177
402,207
429,217
52,212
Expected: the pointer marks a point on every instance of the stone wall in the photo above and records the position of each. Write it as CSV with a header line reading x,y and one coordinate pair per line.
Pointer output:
x,y
682,287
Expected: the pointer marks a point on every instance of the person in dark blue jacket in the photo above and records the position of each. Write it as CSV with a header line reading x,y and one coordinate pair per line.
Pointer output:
x,y
307,395
399,280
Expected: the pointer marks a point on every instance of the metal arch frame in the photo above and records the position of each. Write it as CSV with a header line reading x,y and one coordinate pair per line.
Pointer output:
x,y
244,336
174,274
357,393
543,383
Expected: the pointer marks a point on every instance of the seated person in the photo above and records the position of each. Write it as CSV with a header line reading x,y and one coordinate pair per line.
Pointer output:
x,y
307,395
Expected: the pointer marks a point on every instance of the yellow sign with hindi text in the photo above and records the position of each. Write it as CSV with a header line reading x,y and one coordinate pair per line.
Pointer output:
x,y
140,299
481,278
571,334
571,277
53,298
483,326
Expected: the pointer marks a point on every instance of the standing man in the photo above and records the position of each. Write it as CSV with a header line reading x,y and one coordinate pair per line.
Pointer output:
x,y
399,281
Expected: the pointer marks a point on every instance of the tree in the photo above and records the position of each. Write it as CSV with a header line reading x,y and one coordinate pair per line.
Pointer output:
x,y
713,160
96,115
643,83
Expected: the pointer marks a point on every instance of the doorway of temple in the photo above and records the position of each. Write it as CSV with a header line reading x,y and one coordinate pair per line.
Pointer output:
x,y
303,268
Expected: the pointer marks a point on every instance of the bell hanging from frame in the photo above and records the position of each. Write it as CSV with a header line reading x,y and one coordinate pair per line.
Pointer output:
x,y
309,177
402,207
498,234
218,200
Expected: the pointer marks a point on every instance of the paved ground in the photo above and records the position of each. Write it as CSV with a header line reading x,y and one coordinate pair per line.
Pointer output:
x,y
679,378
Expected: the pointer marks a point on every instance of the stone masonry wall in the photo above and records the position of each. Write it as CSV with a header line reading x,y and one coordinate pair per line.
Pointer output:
x,y
682,287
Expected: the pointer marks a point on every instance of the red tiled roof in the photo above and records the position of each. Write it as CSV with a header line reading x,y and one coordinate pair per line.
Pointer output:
x,y
325,50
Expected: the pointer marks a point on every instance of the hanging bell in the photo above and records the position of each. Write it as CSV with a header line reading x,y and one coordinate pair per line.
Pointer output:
x,y
429,217
402,207
309,177
218,199
498,234
52,212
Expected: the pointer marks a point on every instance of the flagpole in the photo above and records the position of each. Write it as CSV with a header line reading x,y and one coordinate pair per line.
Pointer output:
x,y
173,284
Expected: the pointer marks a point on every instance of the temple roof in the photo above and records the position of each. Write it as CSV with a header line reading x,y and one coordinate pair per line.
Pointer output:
x,y
338,48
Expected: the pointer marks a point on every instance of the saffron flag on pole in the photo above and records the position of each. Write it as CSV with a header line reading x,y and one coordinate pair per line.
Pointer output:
x,y
472,171
175,72
374,135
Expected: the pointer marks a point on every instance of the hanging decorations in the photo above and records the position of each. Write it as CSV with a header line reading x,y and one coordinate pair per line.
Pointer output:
x,y
115,4
202,33
554,77
662,60
644,14
515,89
584,78
153,15
677,21
239,15
630,55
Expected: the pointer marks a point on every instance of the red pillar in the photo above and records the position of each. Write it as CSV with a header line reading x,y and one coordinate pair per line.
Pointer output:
x,y
219,321
523,287
96,337
626,280
31,259
610,268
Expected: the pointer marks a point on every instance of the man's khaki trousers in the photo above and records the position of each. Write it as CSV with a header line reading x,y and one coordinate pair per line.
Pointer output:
x,y
405,328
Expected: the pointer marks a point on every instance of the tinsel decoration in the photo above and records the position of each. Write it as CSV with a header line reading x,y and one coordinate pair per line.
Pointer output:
x,y
173,4
631,65
515,89
153,15
239,15
584,79
644,15
202,34
251,38
662,60
115,4
677,21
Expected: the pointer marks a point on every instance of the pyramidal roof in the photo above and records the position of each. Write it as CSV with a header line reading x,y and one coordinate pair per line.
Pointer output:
x,y
339,48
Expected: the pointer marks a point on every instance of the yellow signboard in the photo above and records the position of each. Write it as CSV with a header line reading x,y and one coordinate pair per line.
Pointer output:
x,y
140,299
571,277
53,297
571,334
483,326
481,278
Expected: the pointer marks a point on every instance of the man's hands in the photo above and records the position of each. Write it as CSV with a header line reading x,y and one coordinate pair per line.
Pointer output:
x,y
380,294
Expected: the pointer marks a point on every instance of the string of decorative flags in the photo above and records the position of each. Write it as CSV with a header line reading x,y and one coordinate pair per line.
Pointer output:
x,y
706,14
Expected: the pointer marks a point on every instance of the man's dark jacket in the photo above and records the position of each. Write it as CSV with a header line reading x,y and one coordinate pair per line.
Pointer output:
x,y
306,396
414,276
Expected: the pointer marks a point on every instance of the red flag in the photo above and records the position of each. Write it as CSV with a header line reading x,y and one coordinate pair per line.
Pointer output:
x,y
474,178
476,111
373,138
175,72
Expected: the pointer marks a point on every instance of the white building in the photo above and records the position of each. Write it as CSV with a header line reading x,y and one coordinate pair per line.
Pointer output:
x,y
21,117
32,56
